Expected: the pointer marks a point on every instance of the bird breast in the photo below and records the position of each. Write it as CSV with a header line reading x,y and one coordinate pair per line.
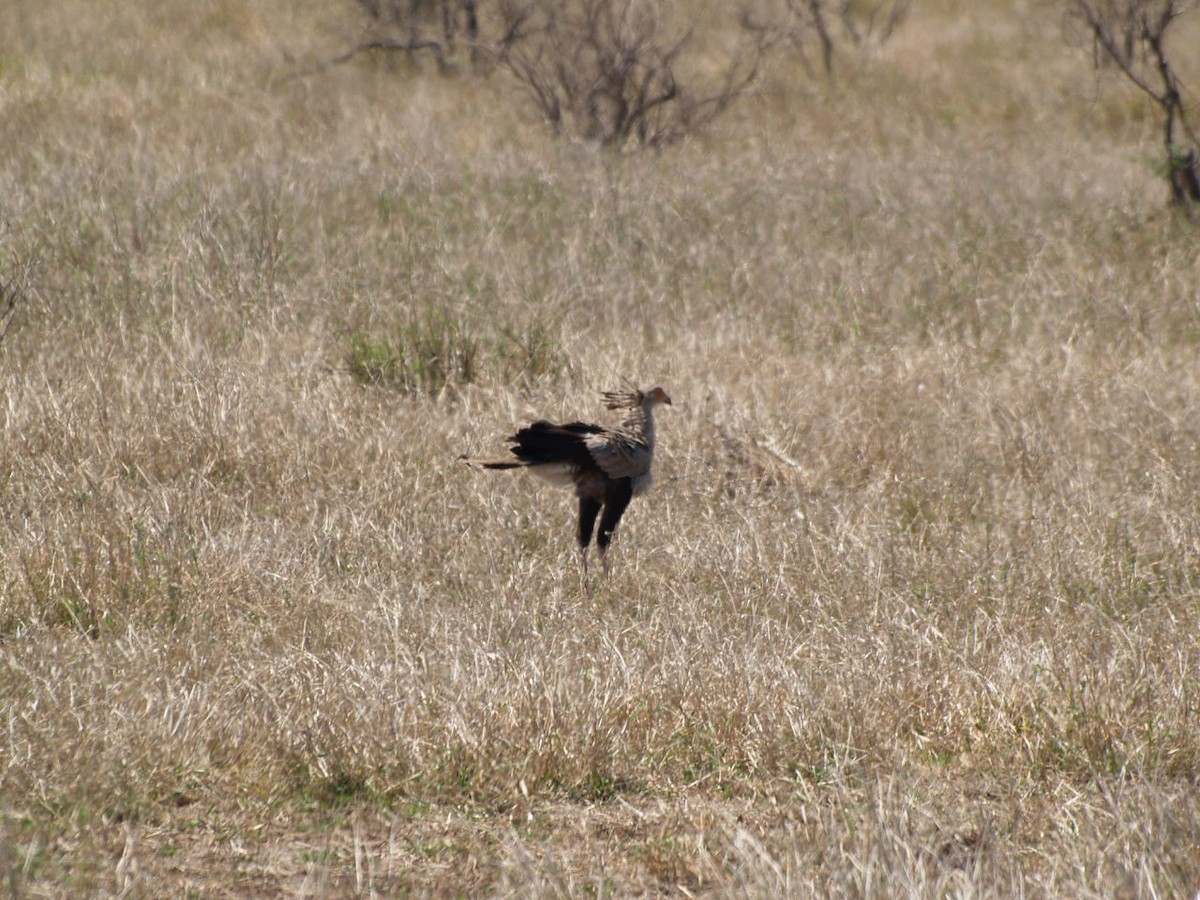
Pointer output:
x,y
641,483
561,474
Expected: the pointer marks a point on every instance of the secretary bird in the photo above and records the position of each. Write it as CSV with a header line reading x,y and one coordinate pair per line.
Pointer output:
x,y
608,466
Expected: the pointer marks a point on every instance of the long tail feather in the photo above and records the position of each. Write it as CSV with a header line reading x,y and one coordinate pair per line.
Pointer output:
x,y
494,463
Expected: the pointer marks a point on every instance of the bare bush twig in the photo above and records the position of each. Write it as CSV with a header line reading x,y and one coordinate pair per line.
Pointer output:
x,y
1132,35
607,70
830,22
12,292
604,70
438,28
446,24
384,44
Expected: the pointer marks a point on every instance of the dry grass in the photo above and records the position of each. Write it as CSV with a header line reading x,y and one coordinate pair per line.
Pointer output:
x,y
913,609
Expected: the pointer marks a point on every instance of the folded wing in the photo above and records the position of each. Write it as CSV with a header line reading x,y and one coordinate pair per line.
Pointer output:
x,y
619,454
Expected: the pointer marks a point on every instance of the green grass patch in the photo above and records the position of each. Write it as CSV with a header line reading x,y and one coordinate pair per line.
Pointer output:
x,y
435,352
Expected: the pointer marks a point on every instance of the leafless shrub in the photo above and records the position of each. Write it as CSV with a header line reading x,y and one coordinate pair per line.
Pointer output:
x,y
443,26
830,22
1132,34
441,29
607,70
13,290
9,295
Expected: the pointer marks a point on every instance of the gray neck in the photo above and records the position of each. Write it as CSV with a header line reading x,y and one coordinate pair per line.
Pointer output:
x,y
642,421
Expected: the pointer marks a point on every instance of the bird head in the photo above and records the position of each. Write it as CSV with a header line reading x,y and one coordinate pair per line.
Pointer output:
x,y
654,395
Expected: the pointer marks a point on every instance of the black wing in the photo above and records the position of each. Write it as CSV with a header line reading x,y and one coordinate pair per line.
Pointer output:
x,y
544,442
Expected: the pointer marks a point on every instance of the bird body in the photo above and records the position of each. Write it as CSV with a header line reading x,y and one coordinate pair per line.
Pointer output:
x,y
607,466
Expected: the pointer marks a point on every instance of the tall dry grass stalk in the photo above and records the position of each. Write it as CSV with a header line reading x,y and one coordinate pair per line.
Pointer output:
x,y
912,610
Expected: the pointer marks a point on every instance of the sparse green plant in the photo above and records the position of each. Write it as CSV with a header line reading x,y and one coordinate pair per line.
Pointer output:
x,y
434,353
425,355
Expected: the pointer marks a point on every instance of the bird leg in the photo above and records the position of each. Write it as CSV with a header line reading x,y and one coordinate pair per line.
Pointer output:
x,y
616,498
585,577
602,542
588,510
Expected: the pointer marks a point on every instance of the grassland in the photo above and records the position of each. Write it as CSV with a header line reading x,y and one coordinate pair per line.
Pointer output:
x,y
914,608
